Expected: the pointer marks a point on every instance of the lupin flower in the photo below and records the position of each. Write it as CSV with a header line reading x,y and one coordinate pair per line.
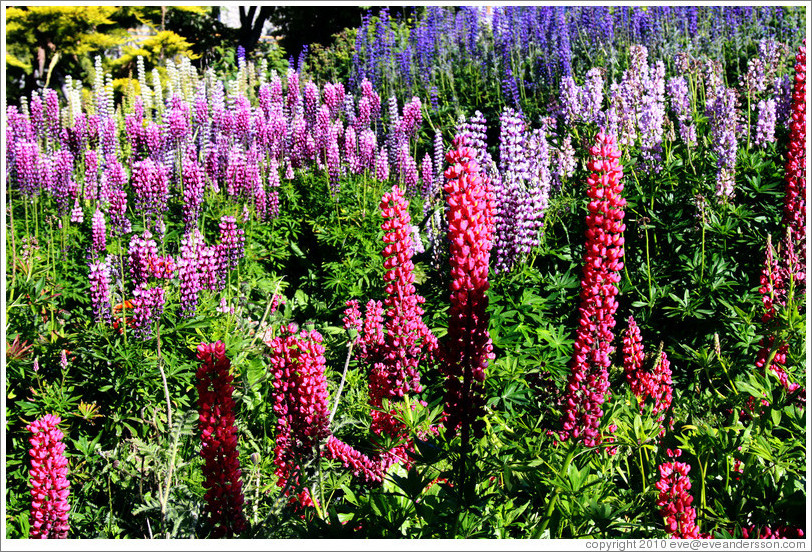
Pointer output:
x,y
408,169
333,161
142,251
100,290
211,269
427,176
77,215
218,434
509,191
652,117
393,354
795,169
382,166
765,126
62,186
191,246
565,162
633,356
372,97
25,161
367,146
232,241
148,306
674,498
272,195
192,190
570,94
91,175
412,118
780,532
151,187
50,487
334,98
723,116
470,234
351,151
531,212
360,465
300,403
655,383
776,279
178,119
592,95
588,384
681,104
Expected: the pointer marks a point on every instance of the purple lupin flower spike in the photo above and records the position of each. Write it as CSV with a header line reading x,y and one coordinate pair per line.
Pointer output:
x,y
765,126
427,175
232,240
191,246
100,290
91,190
382,165
367,146
151,187
98,234
272,195
192,190
148,306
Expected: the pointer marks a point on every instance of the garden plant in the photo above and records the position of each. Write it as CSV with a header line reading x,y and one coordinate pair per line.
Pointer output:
x,y
515,272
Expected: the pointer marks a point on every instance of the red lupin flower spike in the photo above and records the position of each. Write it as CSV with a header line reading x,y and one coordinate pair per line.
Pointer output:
x,y
588,385
49,484
470,233
224,497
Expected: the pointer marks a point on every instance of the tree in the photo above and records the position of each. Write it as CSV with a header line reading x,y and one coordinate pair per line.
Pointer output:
x,y
43,42
46,43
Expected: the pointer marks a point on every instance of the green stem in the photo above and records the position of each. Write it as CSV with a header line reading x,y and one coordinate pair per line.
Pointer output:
x,y
13,243
554,499
163,378
642,468
341,385
648,268
702,270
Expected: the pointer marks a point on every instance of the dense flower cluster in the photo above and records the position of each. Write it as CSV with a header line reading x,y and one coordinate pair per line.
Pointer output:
x,y
633,356
218,435
151,187
100,290
776,279
655,383
681,104
674,498
510,190
588,384
148,306
191,246
470,234
392,339
780,532
394,354
765,126
637,107
49,484
300,403
521,185
192,190
722,109
232,242
98,234
795,177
